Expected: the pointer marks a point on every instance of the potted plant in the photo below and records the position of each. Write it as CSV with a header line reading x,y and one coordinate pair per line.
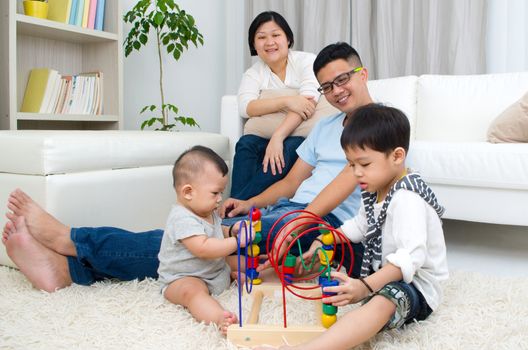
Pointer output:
x,y
174,30
36,8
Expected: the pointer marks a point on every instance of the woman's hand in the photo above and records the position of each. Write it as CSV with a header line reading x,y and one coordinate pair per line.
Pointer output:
x,y
350,290
302,105
274,156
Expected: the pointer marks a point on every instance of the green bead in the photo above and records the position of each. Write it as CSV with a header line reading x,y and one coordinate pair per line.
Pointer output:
x,y
323,229
329,309
258,238
290,260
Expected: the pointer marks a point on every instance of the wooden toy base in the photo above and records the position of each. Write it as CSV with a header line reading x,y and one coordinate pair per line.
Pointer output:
x,y
252,333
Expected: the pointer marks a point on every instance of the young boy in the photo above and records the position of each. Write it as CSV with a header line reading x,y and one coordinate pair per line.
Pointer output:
x,y
193,249
400,227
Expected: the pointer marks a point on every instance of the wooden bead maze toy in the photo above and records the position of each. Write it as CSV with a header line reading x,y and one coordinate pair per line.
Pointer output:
x,y
252,333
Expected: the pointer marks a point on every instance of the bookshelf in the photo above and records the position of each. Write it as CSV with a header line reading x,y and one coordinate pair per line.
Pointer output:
x,y
29,42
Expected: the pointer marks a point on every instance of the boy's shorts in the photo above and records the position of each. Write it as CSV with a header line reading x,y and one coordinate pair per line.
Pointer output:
x,y
410,303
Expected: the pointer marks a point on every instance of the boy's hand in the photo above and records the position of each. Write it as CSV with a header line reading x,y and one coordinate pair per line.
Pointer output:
x,y
349,291
307,256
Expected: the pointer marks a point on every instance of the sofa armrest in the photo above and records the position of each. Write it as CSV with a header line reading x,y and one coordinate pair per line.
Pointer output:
x,y
231,123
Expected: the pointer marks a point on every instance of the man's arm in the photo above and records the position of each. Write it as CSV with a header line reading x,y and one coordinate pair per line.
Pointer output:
x,y
334,193
282,188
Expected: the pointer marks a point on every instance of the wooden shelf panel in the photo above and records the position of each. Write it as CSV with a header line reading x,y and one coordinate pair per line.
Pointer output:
x,y
68,117
37,27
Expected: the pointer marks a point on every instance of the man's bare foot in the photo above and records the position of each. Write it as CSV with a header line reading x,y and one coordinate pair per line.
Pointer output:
x,y
43,227
229,319
44,268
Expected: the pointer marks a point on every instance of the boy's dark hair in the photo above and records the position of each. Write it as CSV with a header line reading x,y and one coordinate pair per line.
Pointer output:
x,y
265,17
191,162
332,52
377,127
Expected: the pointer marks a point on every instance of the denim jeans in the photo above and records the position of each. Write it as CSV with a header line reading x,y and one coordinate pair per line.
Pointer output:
x,y
109,252
273,213
248,178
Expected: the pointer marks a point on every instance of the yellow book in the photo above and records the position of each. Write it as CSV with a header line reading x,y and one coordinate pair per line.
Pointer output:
x,y
59,10
35,90
86,12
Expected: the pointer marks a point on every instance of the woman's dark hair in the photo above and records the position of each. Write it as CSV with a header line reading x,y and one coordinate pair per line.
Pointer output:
x,y
265,17
377,127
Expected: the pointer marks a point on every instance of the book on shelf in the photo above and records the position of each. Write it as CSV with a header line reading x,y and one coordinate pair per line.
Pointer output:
x,y
59,10
50,93
73,11
79,14
39,82
99,15
91,14
86,11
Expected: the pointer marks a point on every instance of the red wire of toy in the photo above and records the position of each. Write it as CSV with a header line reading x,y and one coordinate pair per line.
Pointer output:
x,y
273,258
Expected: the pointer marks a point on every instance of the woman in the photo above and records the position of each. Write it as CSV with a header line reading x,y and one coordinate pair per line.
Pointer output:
x,y
260,162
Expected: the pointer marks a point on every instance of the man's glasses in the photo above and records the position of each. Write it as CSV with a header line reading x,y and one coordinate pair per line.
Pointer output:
x,y
340,80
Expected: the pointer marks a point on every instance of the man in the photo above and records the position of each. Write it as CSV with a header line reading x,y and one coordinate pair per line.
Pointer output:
x,y
318,182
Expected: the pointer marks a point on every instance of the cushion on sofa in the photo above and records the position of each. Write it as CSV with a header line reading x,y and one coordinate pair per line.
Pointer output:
x,y
512,124
461,107
399,93
472,164
265,125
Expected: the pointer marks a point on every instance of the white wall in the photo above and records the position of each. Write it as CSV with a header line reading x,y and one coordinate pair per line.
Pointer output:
x,y
198,80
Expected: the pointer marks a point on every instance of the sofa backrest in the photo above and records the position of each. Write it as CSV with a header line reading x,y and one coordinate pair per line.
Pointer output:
x,y
399,93
461,108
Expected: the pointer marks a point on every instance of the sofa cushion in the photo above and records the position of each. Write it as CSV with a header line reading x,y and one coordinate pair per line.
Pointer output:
x,y
473,164
265,125
461,107
399,93
512,124
40,152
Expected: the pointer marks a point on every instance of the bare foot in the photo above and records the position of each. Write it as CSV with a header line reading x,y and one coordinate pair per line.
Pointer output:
x,y
229,319
43,227
43,267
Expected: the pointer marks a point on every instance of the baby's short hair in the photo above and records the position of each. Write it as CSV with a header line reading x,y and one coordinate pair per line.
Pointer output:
x,y
377,127
190,164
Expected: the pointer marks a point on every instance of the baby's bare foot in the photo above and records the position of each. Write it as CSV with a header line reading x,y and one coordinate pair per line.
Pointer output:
x,y
44,268
229,319
41,225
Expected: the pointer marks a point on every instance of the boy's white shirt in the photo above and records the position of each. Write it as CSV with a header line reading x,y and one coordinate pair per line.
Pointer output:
x,y
412,239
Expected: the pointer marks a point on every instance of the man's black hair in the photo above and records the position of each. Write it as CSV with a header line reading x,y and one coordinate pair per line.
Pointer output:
x,y
332,52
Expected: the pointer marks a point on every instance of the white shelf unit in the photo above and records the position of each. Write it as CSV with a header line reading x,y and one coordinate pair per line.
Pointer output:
x,y
29,42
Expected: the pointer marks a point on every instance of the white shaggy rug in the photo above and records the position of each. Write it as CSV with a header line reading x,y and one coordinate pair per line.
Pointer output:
x,y
478,312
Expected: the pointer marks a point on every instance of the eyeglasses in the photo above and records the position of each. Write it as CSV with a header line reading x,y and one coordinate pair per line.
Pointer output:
x,y
340,80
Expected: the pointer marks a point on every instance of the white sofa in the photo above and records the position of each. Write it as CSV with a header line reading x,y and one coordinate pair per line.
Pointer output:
x,y
98,178
449,115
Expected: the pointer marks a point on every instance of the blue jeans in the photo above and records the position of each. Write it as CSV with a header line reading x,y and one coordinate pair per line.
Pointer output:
x,y
109,252
248,178
273,212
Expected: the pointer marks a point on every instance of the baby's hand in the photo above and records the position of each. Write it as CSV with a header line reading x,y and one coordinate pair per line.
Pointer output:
x,y
245,235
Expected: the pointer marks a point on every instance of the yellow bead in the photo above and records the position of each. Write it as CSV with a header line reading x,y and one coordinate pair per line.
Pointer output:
x,y
257,281
253,250
328,239
257,226
322,257
328,320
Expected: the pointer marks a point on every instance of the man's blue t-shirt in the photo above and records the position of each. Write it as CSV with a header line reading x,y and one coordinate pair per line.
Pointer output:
x,y
322,150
